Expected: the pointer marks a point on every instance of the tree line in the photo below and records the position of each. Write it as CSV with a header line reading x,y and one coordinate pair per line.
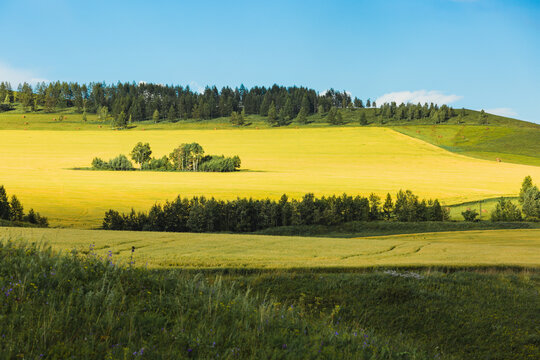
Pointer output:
x,y
201,214
146,101
12,210
186,157
506,210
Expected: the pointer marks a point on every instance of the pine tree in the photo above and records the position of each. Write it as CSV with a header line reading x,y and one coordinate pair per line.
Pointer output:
x,y
525,186
483,118
339,118
363,119
155,116
388,207
16,210
301,118
272,116
4,204
331,117
171,115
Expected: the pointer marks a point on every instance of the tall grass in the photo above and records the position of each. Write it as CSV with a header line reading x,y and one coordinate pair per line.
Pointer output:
x,y
84,307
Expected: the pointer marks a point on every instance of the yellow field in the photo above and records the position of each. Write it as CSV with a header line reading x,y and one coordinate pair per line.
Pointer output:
x,y
494,247
35,165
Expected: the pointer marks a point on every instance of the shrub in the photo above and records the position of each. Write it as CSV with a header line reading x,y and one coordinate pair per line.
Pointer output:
x,y
99,164
121,162
506,211
470,215
162,164
214,163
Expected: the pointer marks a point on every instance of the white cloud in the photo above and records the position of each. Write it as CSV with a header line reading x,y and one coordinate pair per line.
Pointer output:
x,y
16,76
196,87
508,112
419,96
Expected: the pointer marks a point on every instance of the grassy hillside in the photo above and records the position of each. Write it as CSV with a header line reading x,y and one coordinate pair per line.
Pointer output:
x,y
452,249
69,119
510,143
59,307
36,166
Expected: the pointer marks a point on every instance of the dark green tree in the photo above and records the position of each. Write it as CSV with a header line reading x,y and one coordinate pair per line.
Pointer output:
x,y
4,204
506,211
388,207
272,115
525,186
363,118
470,215
16,209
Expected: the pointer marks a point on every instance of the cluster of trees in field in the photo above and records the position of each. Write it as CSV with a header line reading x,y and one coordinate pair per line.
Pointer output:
x,y
506,210
12,210
200,214
186,157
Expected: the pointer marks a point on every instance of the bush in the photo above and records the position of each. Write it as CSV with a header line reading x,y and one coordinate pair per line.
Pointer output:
x,y
506,211
214,163
121,162
470,215
154,164
99,164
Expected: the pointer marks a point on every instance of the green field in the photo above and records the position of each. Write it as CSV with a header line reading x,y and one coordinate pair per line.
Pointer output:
x,y
514,144
37,167
65,306
451,249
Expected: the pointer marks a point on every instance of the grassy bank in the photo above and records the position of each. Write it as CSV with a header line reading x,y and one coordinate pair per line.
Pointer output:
x,y
85,307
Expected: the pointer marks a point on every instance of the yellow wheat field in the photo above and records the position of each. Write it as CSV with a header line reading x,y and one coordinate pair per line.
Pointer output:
x,y
462,248
35,165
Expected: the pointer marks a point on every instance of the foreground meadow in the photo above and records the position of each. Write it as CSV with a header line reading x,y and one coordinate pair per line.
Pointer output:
x,y
188,250
37,166
83,307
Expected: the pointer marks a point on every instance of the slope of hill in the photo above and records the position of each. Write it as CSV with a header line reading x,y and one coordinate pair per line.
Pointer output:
x,y
512,142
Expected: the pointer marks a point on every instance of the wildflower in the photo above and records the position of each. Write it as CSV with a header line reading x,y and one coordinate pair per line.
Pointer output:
x,y
284,346
336,333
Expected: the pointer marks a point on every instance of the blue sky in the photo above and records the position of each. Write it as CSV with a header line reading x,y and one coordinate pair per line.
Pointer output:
x,y
474,54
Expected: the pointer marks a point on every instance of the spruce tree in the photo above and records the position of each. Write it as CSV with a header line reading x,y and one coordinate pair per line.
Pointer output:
x,y
331,117
272,116
171,115
16,211
4,204
155,116
363,119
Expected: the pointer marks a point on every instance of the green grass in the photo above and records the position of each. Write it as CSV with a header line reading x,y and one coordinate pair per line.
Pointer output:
x,y
505,141
511,247
60,307
71,306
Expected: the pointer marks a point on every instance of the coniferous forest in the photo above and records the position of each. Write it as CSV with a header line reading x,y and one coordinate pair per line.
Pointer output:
x,y
130,102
